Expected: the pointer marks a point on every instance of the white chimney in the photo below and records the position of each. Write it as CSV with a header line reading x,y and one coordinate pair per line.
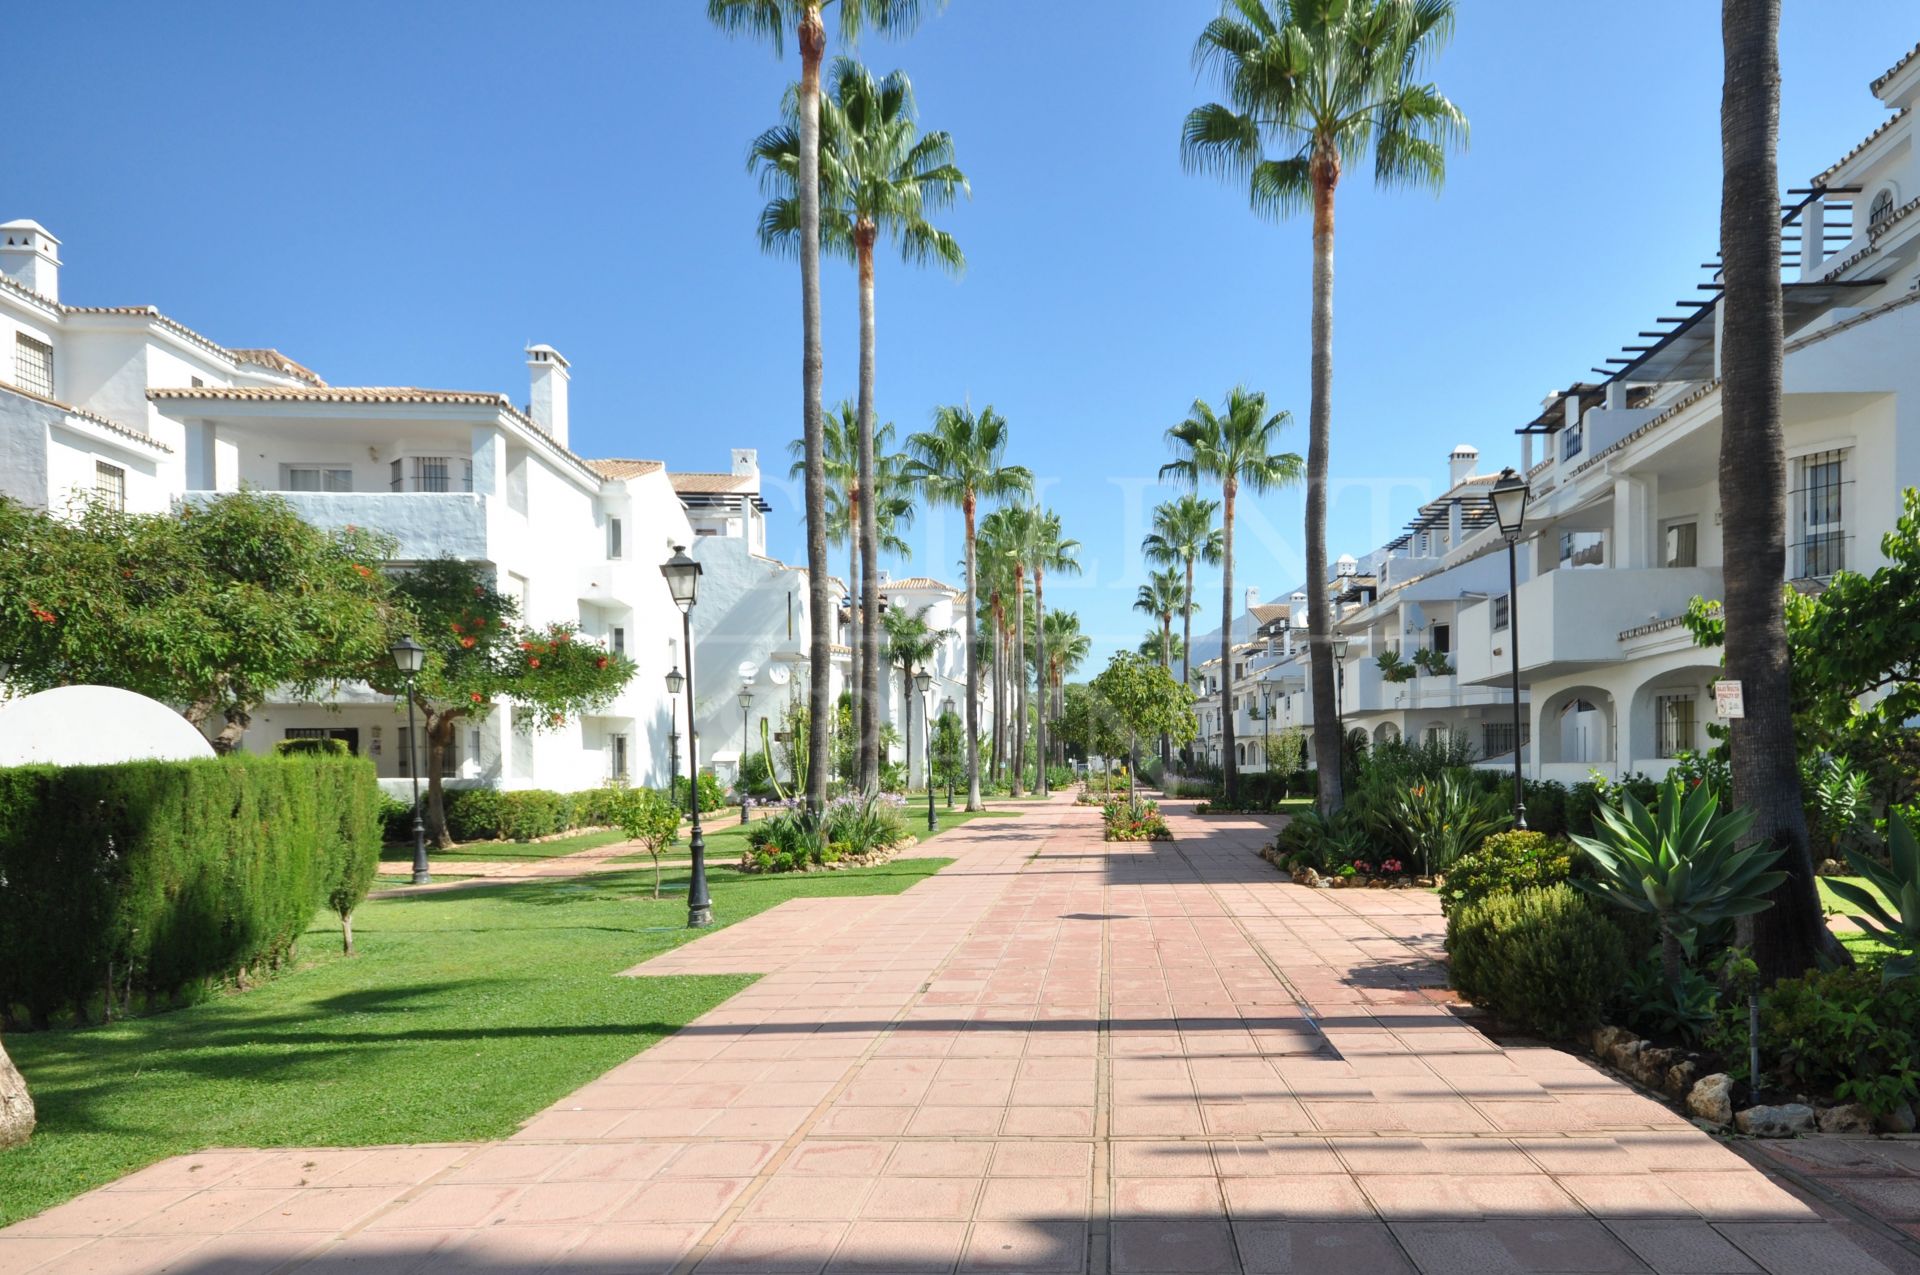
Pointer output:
x,y
548,403
1461,464
746,464
30,257
1253,598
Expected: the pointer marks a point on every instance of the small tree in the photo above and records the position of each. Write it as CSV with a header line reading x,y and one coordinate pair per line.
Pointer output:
x,y
947,751
478,654
1142,699
651,818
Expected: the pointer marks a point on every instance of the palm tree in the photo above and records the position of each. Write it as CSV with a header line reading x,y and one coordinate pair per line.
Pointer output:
x,y
879,175
1156,644
957,462
888,494
1183,532
912,643
1051,552
769,19
1235,446
1067,649
1163,597
1010,531
1321,82
1790,937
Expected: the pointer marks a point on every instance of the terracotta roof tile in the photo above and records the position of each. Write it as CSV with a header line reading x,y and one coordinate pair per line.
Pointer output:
x,y
625,468
277,362
918,582
91,417
1864,142
332,394
708,484
1894,70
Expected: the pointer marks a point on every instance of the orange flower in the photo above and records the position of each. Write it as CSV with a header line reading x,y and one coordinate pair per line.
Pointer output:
x,y
601,662
466,642
534,662
365,571
475,697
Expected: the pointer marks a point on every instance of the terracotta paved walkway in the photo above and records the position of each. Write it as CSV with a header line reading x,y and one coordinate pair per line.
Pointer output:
x,y
1055,1055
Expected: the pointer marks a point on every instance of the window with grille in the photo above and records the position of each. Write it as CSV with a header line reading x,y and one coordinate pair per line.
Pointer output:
x,y
1820,504
431,473
110,485
32,365
1881,211
1571,442
1682,544
449,760
1673,725
613,538
617,757
317,478
1502,612
1496,738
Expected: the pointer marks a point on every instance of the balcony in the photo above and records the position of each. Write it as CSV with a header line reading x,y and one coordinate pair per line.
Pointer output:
x,y
1572,620
426,524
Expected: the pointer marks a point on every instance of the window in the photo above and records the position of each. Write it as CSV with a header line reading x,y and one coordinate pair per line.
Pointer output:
x,y
1672,725
619,640
32,365
1571,442
1442,640
449,760
1682,547
1502,605
430,473
196,383
316,478
1821,548
1496,738
613,538
110,485
617,757
1881,210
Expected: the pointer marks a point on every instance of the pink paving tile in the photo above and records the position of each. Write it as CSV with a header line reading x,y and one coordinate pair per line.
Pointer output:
x,y
623,1162
127,1254
559,1203
512,1162
680,1200
809,1198
98,1213
1167,1197
1162,1159
1304,1196
322,1209
838,1158
937,1121
1625,1195
900,1248
447,1207
940,1159
1041,1159
934,1198
638,1249
1048,1122
1036,1248
1159,1246
773,1248
720,1160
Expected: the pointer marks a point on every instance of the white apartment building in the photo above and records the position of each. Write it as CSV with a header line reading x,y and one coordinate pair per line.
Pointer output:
x,y
1624,528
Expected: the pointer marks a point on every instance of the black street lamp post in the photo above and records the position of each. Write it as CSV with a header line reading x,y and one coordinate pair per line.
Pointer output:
x,y
746,800
676,682
1338,645
683,582
1510,496
408,656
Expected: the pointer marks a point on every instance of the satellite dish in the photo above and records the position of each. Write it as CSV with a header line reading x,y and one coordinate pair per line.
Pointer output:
x,y
778,675
747,670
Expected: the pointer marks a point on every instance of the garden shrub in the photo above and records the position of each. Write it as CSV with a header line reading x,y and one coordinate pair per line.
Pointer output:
x,y
168,876
1549,960
527,814
1508,861
474,814
1841,1032
712,796
305,747
1135,821
514,814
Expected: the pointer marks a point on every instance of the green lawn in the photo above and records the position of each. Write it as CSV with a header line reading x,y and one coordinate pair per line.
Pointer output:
x,y
726,843
1832,902
463,1014
510,851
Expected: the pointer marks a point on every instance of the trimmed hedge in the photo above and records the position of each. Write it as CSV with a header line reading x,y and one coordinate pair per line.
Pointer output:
x,y
167,876
518,814
1547,959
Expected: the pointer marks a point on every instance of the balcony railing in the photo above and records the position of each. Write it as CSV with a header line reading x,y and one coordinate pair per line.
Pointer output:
x,y
1573,619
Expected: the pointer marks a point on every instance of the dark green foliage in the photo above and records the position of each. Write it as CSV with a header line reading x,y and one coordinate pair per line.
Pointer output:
x,y
1683,1011
1585,799
168,876
518,814
312,747
712,796
1546,803
1840,1032
1506,861
1548,960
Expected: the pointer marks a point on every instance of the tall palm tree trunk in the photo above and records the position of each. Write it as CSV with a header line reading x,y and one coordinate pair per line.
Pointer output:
x,y
1228,490
1166,666
853,594
1019,689
1039,680
1327,746
1186,642
999,690
813,47
867,771
973,663
1787,938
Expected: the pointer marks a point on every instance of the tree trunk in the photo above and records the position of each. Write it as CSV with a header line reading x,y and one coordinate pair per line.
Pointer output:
x,y
1186,642
1019,688
869,767
237,721
1327,745
855,500
1788,937
346,932
1230,785
973,662
16,1104
813,47
1039,679
1672,956
1166,666
997,750
438,728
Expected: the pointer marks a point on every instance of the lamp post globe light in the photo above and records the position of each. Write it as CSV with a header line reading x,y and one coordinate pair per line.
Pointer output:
x,y
409,657
923,683
1510,496
683,583
746,706
676,680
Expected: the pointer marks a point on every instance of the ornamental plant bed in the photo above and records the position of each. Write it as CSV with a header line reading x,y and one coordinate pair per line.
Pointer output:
x,y
1135,821
831,858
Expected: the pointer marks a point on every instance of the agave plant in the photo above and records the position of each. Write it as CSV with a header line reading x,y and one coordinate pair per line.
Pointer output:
x,y
1682,862
1438,819
1899,883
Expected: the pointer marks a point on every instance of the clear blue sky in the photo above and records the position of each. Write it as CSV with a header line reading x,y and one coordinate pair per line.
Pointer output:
x,y
409,194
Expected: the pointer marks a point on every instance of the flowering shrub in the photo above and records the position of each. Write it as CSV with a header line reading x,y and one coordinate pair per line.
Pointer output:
x,y
1139,821
850,829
